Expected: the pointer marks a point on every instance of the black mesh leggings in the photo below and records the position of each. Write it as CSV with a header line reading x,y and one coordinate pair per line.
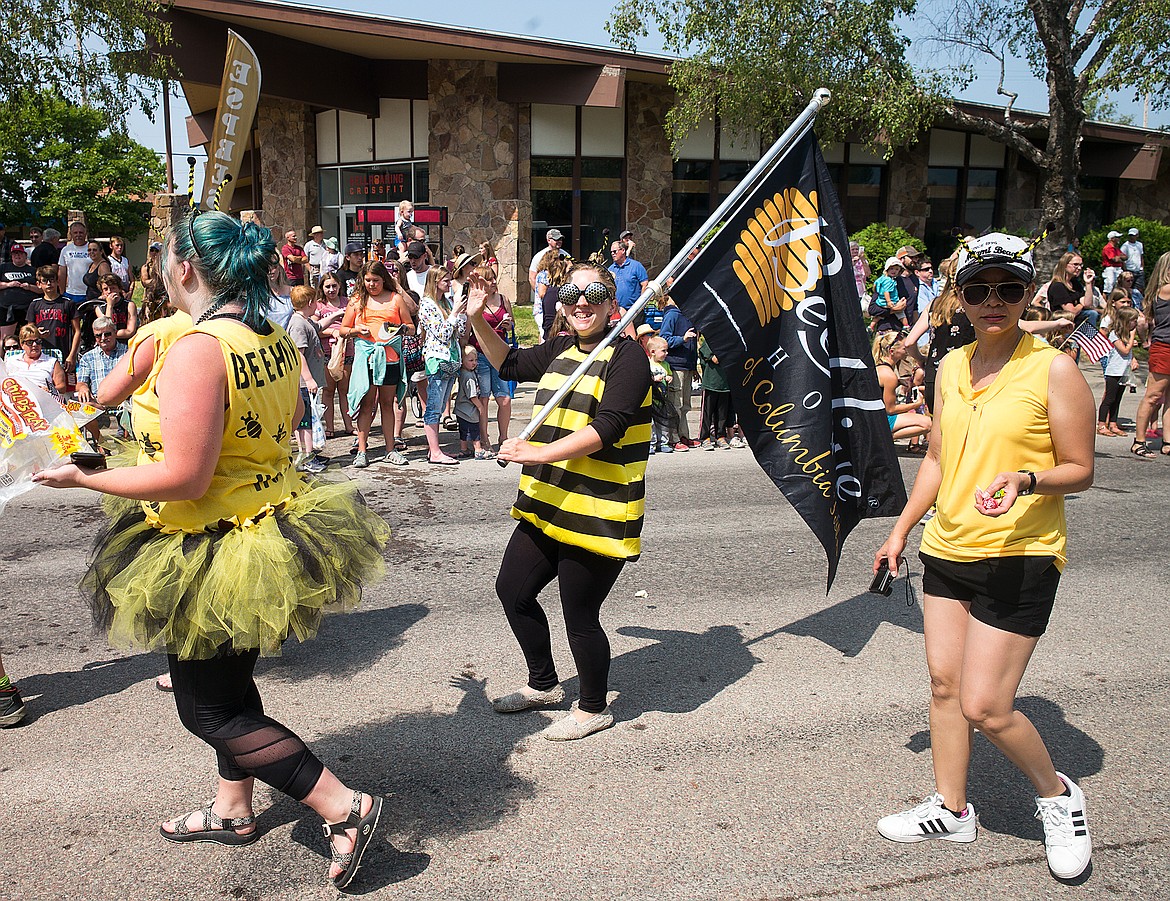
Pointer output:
x,y
219,703
531,561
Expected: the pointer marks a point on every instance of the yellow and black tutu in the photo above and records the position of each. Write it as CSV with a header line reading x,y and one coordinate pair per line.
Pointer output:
x,y
245,586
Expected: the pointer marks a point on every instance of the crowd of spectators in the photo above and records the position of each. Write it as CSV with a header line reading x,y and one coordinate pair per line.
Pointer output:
x,y
916,319
393,310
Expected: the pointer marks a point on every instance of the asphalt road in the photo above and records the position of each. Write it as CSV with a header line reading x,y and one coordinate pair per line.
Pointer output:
x,y
762,726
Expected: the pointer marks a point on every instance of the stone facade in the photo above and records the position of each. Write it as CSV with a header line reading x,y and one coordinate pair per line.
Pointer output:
x,y
164,210
475,166
649,173
287,134
1147,199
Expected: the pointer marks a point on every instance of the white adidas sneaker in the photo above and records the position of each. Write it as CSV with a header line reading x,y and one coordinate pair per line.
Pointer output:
x,y
930,819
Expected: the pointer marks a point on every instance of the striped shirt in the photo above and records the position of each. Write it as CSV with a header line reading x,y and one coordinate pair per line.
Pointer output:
x,y
594,502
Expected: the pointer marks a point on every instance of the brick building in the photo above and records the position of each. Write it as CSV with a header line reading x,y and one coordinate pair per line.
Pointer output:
x,y
515,135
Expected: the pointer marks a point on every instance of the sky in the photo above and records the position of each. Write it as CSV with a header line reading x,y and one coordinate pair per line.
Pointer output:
x,y
585,23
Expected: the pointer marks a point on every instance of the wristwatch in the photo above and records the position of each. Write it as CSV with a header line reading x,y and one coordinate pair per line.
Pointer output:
x,y
1031,483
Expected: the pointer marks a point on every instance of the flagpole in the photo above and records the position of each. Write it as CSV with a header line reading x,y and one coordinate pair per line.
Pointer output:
x,y
654,288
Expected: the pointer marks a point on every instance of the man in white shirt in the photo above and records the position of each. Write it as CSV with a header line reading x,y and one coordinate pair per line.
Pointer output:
x,y
416,267
555,239
1133,250
73,263
315,251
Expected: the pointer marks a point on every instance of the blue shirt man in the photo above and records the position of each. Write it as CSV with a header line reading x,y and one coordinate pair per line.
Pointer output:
x,y
629,276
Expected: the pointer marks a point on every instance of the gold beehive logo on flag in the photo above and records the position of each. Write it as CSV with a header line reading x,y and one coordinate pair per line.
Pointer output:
x,y
779,253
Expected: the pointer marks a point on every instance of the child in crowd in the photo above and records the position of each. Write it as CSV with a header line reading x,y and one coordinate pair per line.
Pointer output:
x,y
893,308
717,414
57,319
467,408
304,335
661,377
122,311
1123,336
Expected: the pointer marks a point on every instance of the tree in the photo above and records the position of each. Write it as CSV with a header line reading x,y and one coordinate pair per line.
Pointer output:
x,y
755,63
56,156
101,53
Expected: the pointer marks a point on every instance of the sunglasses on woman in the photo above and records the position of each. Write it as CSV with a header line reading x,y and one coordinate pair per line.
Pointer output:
x,y
1008,292
595,293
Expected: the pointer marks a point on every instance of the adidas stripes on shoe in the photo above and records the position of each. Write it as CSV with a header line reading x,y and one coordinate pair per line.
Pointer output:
x,y
1066,832
930,819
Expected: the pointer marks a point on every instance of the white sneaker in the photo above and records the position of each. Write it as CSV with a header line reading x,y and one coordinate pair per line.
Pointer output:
x,y
1066,832
930,819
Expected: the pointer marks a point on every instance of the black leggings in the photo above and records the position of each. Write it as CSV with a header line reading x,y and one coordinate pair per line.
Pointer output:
x,y
1111,402
717,414
531,561
219,703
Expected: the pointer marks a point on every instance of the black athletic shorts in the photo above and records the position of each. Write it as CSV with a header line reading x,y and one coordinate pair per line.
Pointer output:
x,y
1014,594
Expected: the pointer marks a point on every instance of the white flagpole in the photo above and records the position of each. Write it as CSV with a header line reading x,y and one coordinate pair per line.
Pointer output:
x,y
654,288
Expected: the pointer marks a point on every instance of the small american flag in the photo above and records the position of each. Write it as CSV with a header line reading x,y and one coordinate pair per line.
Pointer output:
x,y
1089,339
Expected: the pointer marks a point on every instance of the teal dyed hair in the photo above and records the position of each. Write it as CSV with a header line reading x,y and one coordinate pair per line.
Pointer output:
x,y
232,258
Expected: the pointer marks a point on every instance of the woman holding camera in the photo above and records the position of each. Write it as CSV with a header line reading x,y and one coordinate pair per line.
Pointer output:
x,y
1012,434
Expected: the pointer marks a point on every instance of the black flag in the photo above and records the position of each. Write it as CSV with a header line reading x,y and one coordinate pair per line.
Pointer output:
x,y
773,292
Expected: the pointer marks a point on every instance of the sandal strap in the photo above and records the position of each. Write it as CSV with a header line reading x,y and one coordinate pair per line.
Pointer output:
x,y
350,822
212,822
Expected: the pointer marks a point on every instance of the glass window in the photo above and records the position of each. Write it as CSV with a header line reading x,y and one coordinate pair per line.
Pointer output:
x,y
688,213
373,185
982,188
600,168
600,210
731,173
942,193
330,194
863,196
422,183
1097,195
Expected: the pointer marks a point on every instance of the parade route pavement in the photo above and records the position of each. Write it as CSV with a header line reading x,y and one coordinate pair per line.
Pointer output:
x,y
762,726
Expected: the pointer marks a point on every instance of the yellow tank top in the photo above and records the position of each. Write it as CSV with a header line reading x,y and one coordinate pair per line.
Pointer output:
x,y
1000,428
165,333
254,472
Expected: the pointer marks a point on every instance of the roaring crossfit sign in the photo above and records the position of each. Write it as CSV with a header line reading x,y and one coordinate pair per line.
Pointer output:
x,y
239,94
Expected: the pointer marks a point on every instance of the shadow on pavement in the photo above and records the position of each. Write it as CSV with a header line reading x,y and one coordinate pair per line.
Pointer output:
x,y
680,672
446,774
1002,795
347,644
849,625
58,691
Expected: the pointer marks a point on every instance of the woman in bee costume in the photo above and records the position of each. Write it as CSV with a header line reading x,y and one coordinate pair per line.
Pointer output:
x,y
217,549
581,493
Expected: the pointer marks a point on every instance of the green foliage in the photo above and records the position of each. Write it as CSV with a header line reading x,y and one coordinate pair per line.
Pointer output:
x,y
1155,238
93,52
882,242
757,63
55,156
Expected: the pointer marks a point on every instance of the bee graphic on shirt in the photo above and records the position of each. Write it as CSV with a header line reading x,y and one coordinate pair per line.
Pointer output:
x,y
281,434
149,447
250,427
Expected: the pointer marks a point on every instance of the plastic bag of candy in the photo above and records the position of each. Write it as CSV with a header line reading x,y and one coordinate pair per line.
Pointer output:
x,y
35,433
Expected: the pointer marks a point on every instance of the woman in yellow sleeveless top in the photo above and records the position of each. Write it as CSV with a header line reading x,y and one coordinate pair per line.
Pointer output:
x,y
217,549
581,493
1012,434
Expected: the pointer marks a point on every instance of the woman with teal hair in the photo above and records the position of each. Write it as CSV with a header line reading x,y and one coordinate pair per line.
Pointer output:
x,y
217,548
